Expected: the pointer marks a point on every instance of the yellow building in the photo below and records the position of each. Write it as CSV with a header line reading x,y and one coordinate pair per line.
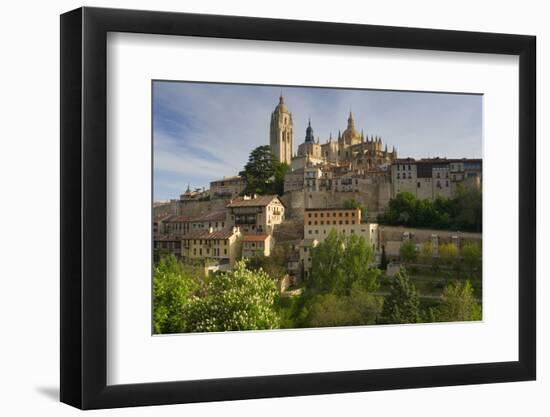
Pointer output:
x,y
319,222
256,214
223,246
254,245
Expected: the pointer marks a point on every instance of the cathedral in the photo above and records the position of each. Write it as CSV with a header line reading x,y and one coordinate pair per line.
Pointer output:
x,y
352,149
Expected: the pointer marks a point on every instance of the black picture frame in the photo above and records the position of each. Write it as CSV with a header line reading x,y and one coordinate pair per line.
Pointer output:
x,y
84,207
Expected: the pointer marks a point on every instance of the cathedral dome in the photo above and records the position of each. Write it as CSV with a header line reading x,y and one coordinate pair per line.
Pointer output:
x,y
351,135
281,107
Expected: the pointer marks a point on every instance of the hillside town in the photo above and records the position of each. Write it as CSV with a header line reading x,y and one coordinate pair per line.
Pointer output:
x,y
221,224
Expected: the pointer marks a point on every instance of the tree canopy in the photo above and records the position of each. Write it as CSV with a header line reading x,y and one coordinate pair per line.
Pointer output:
x,y
402,304
463,212
263,173
340,261
173,284
238,300
408,252
458,303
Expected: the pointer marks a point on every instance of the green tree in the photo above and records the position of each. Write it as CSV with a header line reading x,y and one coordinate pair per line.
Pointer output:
x,y
458,303
383,259
426,252
402,304
463,212
173,284
408,252
238,300
358,308
263,174
340,262
448,252
471,254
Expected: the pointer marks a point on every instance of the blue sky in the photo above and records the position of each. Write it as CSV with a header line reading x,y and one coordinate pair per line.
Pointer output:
x,y
204,131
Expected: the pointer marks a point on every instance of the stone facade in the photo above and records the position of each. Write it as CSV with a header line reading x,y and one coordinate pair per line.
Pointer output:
x,y
436,177
222,246
227,188
256,214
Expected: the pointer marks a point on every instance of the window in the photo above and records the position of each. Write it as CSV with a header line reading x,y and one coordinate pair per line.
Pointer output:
x,y
225,251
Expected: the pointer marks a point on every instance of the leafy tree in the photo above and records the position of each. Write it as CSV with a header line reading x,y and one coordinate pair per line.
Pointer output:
x,y
448,252
274,265
238,300
471,254
426,251
407,252
339,262
402,304
358,308
263,173
463,212
458,303
383,259
173,283
356,204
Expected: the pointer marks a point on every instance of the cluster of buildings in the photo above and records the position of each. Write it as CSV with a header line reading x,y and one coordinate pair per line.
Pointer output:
x,y
222,225
242,228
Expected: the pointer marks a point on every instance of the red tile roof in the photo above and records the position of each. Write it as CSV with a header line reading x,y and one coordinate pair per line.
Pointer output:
x,y
259,201
204,234
214,215
255,238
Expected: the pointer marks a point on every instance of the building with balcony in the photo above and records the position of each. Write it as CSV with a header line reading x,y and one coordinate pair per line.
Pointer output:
x,y
256,214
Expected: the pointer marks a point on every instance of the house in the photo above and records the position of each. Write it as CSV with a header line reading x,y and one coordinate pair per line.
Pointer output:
x,y
222,246
257,245
256,214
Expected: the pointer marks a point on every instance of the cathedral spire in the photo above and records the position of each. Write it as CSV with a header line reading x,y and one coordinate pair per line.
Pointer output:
x,y
362,136
350,121
309,133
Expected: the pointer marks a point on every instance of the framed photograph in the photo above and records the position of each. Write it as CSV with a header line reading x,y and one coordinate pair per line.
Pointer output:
x,y
258,208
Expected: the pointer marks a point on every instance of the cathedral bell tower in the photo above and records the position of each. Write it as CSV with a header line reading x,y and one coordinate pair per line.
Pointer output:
x,y
281,132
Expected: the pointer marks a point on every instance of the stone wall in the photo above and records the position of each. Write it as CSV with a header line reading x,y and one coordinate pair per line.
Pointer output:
x,y
374,197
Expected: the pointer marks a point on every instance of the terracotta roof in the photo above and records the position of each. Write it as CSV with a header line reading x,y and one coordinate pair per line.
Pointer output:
x,y
177,219
255,238
204,234
170,238
259,201
214,215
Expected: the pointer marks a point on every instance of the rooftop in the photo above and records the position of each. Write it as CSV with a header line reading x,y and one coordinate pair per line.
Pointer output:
x,y
255,238
205,234
214,215
259,201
